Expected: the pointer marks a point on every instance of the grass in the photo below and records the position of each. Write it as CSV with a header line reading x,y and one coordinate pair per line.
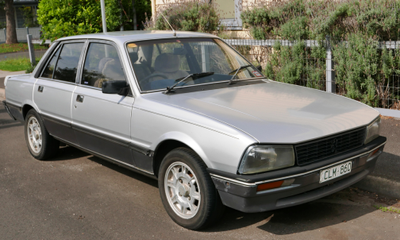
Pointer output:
x,y
18,64
388,209
18,47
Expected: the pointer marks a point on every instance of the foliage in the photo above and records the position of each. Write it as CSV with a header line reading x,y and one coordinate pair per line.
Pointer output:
x,y
188,16
19,64
74,17
143,10
388,209
29,17
363,69
66,18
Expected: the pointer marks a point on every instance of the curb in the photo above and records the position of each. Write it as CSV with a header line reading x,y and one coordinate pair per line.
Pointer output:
x,y
379,185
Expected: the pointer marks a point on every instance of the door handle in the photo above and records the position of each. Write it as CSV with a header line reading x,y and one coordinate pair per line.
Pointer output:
x,y
79,98
40,89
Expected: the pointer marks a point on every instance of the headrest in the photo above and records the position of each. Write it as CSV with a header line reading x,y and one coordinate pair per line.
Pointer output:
x,y
103,62
113,70
167,63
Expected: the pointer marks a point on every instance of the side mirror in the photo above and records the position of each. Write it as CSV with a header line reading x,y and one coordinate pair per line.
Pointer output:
x,y
115,87
259,68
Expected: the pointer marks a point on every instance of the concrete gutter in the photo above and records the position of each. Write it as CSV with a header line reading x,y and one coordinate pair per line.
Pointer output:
x,y
385,179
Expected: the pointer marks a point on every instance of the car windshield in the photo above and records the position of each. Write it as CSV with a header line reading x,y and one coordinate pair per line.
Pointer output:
x,y
161,64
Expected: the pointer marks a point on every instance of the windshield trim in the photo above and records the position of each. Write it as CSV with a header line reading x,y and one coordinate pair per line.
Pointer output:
x,y
189,86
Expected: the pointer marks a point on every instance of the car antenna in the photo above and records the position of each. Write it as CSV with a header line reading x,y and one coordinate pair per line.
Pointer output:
x,y
169,24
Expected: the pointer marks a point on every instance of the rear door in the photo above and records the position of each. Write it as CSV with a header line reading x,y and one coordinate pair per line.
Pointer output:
x,y
102,121
54,87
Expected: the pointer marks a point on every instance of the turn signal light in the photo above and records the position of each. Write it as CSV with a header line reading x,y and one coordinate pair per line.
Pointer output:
x,y
270,185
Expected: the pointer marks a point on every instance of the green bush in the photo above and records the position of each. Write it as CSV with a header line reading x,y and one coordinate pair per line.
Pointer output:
x,y
189,16
363,69
74,17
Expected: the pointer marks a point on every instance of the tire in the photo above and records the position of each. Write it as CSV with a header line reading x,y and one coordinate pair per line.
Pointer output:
x,y
187,191
40,144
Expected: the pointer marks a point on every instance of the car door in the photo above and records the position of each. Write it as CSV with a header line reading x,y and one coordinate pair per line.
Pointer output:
x,y
54,87
101,121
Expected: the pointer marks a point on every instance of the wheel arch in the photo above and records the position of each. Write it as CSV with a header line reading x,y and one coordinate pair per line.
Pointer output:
x,y
172,141
25,110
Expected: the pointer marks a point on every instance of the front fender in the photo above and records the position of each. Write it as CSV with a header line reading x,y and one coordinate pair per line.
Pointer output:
x,y
185,139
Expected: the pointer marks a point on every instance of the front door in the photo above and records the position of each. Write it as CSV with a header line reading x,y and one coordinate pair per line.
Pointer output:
x,y
102,121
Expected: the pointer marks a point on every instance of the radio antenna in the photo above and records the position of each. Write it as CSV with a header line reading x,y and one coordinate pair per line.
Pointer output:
x,y
168,24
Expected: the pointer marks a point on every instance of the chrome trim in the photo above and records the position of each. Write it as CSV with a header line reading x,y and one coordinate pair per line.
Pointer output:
x,y
232,180
279,189
292,176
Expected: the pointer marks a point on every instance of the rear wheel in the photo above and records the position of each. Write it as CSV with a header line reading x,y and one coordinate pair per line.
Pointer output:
x,y
40,144
187,191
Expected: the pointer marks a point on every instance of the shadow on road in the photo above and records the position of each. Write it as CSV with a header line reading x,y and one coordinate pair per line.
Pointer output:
x,y
69,153
138,176
7,121
344,206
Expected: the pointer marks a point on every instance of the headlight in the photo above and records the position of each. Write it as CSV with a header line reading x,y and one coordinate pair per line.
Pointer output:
x,y
262,158
373,130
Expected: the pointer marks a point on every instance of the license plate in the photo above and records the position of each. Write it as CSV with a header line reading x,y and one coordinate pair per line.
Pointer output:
x,y
335,172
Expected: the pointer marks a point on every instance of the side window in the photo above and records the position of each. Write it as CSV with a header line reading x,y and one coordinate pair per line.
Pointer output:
x,y
101,64
64,63
49,69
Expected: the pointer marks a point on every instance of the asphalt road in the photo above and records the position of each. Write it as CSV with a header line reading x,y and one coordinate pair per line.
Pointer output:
x,y
78,196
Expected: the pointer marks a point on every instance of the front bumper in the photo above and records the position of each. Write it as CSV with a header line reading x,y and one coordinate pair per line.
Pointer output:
x,y
240,191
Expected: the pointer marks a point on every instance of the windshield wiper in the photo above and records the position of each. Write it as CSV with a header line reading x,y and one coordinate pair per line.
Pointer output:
x,y
236,72
184,79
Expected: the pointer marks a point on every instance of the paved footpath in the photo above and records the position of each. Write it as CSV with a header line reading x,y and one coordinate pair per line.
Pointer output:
x,y
385,179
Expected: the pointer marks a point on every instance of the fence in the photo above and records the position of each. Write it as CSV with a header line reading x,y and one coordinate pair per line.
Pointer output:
x,y
21,34
259,51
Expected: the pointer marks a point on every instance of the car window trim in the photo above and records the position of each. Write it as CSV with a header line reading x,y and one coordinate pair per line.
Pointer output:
x,y
59,47
48,55
84,57
176,38
147,40
48,61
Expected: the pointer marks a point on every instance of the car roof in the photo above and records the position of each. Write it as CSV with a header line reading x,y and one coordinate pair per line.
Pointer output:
x,y
124,36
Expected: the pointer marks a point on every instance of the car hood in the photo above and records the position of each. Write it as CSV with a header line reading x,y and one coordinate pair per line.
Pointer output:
x,y
273,112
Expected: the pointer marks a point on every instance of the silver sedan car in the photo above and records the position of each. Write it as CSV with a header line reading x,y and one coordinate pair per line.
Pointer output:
x,y
187,109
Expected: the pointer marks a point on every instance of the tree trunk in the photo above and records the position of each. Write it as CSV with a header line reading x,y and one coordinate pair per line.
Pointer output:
x,y
10,21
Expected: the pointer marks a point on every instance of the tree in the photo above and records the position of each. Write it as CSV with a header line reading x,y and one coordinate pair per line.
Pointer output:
x,y
74,17
10,21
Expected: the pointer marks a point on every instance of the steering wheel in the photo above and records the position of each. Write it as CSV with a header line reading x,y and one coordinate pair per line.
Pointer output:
x,y
152,76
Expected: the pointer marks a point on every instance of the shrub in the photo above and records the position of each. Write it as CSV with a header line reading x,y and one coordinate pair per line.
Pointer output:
x,y
74,17
363,69
188,16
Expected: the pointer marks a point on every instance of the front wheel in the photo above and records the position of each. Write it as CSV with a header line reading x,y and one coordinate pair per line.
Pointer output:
x,y
40,144
187,191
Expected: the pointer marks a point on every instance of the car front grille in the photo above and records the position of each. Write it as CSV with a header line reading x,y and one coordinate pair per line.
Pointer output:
x,y
323,148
